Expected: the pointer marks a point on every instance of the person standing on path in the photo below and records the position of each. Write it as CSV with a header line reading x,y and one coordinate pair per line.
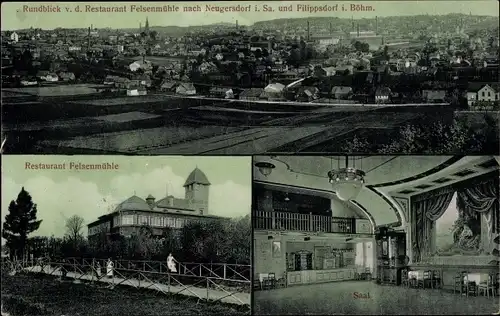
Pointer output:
x,y
171,263
109,268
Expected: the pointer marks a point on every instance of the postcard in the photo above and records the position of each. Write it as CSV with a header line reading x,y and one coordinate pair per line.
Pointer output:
x,y
250,77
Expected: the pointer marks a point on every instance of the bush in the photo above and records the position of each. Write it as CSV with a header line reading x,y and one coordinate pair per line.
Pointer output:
x,y
17,305
439,138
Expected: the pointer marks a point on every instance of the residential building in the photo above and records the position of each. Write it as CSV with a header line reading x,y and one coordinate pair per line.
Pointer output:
x,y
185,88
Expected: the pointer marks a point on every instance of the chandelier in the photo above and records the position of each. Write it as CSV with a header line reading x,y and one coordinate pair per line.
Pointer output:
x,y
265,168
346,182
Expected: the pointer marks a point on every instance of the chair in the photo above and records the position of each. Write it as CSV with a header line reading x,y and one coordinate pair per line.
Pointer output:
x,y
256,285
459,284
393,277
404,278
367,274
471,288
427,280
357,276
486,287
281,283
270,281
436,282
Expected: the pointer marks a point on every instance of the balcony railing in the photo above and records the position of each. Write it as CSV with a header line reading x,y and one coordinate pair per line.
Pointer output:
x,y
303,222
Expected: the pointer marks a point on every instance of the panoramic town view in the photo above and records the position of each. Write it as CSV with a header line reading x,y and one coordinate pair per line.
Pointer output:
x,y
380,80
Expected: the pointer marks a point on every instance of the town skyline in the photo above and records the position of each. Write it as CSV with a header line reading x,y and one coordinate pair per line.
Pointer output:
x,y
20,20
98,192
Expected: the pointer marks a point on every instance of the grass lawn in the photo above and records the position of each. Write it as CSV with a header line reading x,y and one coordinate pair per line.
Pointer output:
x,y
44,295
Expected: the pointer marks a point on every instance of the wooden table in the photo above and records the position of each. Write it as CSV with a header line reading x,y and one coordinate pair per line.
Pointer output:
x,y
417,274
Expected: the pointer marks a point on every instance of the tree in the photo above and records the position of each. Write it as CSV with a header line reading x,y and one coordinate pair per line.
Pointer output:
x,y
74,226
239,240
438,138
153,34
20,222
386,52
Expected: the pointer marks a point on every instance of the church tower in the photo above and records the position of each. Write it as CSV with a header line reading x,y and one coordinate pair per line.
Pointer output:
x,y
197,191
146,26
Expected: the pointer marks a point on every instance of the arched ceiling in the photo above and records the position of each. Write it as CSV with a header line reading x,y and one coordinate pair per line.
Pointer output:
x,y
390,180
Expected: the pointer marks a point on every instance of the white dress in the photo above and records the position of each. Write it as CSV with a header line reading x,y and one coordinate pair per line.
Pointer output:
x,y
109,269
171,264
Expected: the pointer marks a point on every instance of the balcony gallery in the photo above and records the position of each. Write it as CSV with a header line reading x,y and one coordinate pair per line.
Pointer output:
x,y
358,222
313,235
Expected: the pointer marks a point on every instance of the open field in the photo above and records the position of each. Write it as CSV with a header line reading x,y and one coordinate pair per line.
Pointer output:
x,y
44,295
165,124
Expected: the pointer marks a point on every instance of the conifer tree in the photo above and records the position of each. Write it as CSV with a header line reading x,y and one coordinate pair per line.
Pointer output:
x,y
19,222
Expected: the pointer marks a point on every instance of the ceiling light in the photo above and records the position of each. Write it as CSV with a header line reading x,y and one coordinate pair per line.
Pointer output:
x,y
346,182
265,168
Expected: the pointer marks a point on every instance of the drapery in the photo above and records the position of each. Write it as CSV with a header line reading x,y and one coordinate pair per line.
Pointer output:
x,y
426,213
481,198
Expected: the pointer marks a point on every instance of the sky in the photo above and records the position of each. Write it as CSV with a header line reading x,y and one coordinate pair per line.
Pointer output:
x,y
59,194
14,15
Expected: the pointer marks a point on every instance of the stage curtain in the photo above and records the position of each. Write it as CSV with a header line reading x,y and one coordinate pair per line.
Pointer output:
x,y
427,212
482,198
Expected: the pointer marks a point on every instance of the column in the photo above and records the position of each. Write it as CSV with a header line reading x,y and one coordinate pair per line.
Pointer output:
x,y
409,239
375,258
364,254
390,249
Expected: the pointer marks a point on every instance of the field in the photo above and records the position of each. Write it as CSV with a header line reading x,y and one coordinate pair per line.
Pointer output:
x,y
44,295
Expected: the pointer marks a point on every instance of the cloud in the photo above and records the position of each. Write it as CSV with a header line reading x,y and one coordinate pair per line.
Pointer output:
x,y
230,199
57,201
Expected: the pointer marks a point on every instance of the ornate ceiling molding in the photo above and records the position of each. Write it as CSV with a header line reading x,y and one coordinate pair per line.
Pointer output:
x,y
404,203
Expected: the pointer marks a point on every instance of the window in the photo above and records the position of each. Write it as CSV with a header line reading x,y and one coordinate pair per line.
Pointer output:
x,y
179,222
489,94
170,222
143,220
156,221
127,219
482,94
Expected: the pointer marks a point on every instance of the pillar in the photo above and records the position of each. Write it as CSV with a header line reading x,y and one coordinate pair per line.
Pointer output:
x,y
365,249
409,232
375,257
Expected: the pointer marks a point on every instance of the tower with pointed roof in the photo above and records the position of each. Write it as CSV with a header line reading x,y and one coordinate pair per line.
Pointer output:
x,y
146,26
197,189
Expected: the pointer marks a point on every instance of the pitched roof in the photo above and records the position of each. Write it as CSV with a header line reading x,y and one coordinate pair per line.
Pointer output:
x,y
196,176
383,91
176,203
274,87
252,92
133,203
186,86
341,90
434,94
168,84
